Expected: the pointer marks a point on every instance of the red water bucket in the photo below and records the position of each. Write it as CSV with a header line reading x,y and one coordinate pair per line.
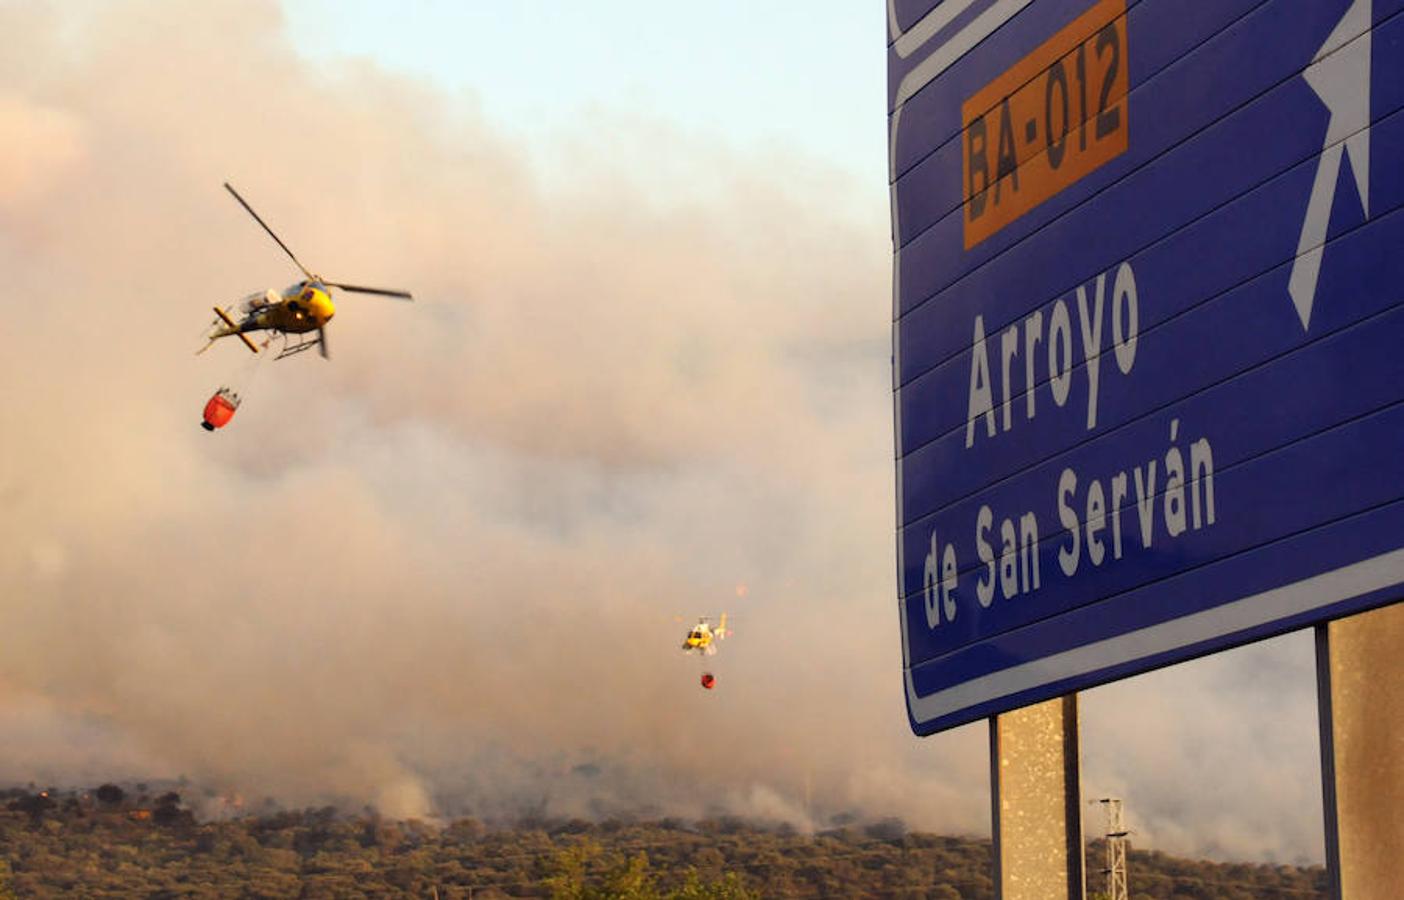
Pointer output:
x,y
220,409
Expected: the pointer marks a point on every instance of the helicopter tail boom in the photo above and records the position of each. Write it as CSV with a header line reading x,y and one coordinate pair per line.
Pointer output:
x,y
234,330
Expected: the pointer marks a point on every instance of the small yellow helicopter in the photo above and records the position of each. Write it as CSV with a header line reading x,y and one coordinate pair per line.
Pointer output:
x,y
702,638
299,309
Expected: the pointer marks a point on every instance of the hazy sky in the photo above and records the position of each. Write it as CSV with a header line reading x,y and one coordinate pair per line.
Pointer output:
x,y
648,362
807,75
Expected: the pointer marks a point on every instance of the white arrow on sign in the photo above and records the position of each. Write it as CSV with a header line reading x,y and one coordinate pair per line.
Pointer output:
x,y
1341,78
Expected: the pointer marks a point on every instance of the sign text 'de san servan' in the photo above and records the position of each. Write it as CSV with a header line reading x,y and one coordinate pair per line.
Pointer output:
x,y
1102,517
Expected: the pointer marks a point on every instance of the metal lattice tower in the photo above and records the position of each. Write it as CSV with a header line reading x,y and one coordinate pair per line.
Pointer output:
x,y
1116,850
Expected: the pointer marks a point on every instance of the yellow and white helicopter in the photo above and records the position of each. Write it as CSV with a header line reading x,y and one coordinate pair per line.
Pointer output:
x,y
299,309
702,638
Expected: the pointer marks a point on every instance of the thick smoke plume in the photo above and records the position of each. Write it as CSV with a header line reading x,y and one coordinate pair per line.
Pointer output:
x,y
439,575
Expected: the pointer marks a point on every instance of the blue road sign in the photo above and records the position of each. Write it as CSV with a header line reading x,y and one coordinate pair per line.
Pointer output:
x,y
1148,333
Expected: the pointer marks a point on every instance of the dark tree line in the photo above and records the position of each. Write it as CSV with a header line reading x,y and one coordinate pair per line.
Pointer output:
x,y
116,842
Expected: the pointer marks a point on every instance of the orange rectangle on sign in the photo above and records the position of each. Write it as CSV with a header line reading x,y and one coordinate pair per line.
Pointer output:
x,y
1054,117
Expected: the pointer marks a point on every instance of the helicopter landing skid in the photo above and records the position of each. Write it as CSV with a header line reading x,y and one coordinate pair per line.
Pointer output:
x,y
290,349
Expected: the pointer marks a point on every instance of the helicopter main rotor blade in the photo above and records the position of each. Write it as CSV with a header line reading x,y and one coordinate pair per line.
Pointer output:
x,y
384,292
249,209
322,341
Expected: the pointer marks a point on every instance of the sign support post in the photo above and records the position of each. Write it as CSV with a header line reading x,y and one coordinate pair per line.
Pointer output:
x,y
1361,702
1036,800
